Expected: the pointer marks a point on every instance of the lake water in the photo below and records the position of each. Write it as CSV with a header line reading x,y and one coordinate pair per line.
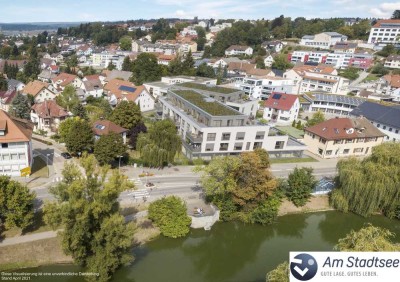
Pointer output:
x,y
232,252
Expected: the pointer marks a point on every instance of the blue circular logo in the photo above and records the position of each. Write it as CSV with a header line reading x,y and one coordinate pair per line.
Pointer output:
x,y
303,267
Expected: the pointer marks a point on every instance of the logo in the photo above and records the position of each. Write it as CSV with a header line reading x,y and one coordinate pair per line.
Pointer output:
x,y
303,267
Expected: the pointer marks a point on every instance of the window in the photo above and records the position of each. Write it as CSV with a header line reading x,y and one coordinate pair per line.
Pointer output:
x,y
14,156
279,144
238,146
240,135
226,136
384,127
346,151
397,131
248,146
322,140
349,141
211,136
320,151
260,135
22,156
210,147
223,146
257,145
390,129
338,142
358,150
328,153
6,157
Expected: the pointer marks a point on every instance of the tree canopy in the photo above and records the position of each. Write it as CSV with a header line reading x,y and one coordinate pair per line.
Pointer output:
x,y
16,204
316,118
108,148
160,144
79,138
134,134
21,107
68,99
170,214
125,43
95,234
146,68
301,183
126,114
370,185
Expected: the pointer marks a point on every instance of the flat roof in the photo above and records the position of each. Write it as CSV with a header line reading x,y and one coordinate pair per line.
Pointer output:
x,y
209,105
335,98
208,87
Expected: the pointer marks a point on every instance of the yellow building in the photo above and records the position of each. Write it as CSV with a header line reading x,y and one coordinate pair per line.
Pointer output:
x,y
342,137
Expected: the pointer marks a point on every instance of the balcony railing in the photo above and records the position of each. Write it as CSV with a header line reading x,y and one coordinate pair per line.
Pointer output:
x,y
195,138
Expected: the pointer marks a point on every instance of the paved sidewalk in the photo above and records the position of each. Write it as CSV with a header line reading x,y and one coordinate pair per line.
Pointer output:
x,y
29,238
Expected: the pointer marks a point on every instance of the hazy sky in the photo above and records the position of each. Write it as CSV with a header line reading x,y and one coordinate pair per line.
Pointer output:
x,y
111,10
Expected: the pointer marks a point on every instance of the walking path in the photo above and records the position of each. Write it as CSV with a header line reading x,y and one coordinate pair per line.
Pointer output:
x,y
29,238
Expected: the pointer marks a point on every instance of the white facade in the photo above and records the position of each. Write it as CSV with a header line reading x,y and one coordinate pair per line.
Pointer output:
x,y
339,60
156,89
385,32
261,88
322,40
324,82
145,101
104,59
268,61
392,62
233,51
44,94
281,116
14,157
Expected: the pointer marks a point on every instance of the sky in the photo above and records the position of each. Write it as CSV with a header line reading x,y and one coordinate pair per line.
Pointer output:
x,y
114,10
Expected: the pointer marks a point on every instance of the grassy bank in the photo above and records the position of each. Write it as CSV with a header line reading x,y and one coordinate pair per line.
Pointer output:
x,y
316,203
292,160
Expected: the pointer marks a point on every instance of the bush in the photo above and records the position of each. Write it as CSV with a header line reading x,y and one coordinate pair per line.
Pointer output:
x,y
266,212
301,182
42,141
170,215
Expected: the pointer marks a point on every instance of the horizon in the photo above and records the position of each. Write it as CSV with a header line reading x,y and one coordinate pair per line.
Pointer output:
x,y
125,10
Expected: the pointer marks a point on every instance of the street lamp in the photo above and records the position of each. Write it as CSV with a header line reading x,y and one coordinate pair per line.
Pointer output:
x,y
119,163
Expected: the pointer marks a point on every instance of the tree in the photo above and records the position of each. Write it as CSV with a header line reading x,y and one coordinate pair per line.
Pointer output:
x,y
65,127
79,138
188,64
368,239
134,134
279,274
294,123
95,234
127,64
79,111
3,84
20,107
205,70
126,114
396,15
16,204
146,68
316,118
242,187
170,214
111,66
68,98
125,43
160,144
379,69
301,182
370,185
260,62
108,148
281,62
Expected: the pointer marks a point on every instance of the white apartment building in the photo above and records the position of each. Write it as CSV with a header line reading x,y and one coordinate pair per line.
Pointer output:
x,y
385,32
322,40
333,104
339,60
103,59
236,50
393,62
15,145
262,88
324,82
385,118
309,56
218,27
210,128
281,108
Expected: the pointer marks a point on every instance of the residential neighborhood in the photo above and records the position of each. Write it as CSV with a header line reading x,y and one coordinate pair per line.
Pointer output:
x,y
151,141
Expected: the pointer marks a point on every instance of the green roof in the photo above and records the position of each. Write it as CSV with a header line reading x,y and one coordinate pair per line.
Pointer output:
x,y
211,106
208,87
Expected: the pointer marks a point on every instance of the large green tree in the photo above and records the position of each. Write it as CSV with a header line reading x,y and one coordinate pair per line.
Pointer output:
x,y
65,127
68,98
160,144
16,204
79,138
301,182
370,185
21,107
281,62
146,68
170,214
108,148
95,233
242,187
79,111
3,84
126,114
125,43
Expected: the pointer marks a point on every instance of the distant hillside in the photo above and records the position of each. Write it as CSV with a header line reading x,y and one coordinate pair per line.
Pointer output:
x,y
36,26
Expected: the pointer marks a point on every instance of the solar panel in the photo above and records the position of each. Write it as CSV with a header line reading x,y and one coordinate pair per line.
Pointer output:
x,y
277,96
127,88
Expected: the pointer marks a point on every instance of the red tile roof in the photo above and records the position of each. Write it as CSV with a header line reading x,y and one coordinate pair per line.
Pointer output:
x,y
393,80
8,96
17,130
379,23
104,127
49,109
280,101
345,128
63,79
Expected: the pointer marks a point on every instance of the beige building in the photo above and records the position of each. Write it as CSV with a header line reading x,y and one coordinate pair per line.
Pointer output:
x,y
342,137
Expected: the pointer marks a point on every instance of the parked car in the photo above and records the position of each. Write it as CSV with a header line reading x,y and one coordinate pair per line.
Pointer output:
x,y
66,155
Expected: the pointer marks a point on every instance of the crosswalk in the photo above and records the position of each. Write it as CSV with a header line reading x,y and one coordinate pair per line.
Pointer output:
x,y
140,193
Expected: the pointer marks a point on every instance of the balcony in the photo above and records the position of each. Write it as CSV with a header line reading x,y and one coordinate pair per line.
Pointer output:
x,y
195,138
191,147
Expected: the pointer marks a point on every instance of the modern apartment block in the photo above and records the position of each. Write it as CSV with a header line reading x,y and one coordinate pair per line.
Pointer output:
x,y
210,128
262,88
15,144
385,32
322,40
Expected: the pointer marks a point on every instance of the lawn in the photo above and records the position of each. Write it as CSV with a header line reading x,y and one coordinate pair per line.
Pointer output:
x,y
39,168
371,77
290,130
